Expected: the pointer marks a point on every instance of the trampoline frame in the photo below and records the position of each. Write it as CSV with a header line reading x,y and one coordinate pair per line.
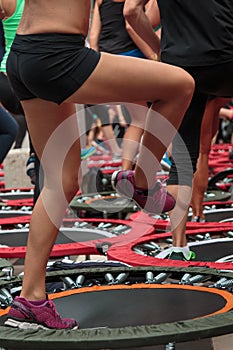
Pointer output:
x,y
95,247
124,251
123,337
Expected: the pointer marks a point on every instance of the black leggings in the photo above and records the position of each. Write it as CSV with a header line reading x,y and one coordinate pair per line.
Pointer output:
x,y
9,100
8,132
216,81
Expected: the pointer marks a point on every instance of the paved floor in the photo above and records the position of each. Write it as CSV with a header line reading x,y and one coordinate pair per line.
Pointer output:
x,y
223,343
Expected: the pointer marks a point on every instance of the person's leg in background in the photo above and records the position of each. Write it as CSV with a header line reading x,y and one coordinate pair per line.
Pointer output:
x,y
20,119
34,171
102,112
11,103
133,134
209,129
185,151
211,81
8,132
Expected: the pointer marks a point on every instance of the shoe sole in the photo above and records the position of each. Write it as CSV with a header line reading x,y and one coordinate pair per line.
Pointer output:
x,y
26,325
165,166
113,178
113,182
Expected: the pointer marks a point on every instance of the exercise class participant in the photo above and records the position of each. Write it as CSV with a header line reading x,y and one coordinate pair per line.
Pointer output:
x,y
199,39
51,70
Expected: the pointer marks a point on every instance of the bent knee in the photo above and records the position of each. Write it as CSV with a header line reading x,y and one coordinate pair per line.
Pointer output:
x,y
183,84
186,84
70,187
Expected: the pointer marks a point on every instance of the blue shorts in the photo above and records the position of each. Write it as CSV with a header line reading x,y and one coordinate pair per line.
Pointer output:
x,y
133,53
49,66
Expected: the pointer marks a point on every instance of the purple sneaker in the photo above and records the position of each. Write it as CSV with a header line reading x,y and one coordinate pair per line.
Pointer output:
x,y
154,201
25,315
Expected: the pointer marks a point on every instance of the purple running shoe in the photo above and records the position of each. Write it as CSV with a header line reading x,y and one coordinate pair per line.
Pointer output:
x,y
25,315
154,201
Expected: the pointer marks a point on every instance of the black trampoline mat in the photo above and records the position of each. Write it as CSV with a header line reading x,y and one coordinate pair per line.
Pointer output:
x,y
12,214
19,239
218,215
213,251
108,204
140,306
16,196
219,195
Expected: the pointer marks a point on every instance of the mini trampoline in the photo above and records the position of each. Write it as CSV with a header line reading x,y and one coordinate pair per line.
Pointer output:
x,y
15,221
105,204
163,225
210,246
82,237
137,303
17,198
14,204
222,180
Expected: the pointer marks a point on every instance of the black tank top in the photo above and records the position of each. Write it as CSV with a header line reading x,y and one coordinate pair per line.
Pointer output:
x,y
114,37
196,32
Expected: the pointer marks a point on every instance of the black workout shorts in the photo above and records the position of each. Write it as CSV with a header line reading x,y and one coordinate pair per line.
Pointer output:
x,y
50,66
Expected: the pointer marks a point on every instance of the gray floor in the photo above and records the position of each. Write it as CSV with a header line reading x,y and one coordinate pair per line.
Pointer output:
x,y
223,343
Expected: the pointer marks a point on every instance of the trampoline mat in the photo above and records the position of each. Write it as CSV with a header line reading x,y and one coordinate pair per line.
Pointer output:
x,y
12,213
16,196
218,215
213,250
212,195
138,306
105,203
18,238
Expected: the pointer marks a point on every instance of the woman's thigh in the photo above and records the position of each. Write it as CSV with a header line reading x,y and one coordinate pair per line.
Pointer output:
x,y
54,133
129,79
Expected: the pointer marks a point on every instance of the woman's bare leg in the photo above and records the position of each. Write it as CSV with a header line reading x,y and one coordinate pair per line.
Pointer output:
x,y
61,174
133,134
179,215
111,140
209,128
168,88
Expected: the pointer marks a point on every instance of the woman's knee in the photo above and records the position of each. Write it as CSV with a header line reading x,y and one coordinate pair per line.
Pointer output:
x,y
70,185
62,183
185,85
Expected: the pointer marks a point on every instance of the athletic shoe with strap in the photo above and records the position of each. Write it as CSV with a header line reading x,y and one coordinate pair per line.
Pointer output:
x,y
180,256
25,315
154,201
87,152
30,168
197,219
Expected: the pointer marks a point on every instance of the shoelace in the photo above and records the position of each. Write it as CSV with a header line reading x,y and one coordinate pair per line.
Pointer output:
x,y
56,314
